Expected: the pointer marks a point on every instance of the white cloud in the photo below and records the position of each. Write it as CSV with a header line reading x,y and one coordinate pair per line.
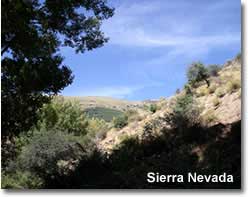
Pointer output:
x,y
118,91
143,25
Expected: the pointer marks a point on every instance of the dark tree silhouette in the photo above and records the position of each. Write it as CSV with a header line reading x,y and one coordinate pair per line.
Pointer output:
x,y
32,68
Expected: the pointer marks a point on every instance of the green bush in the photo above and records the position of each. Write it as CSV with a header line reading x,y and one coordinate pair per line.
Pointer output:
x,y
213,70
120,122
196,73
239,57
153,108
97,128
21,180
46,148
185,112
64,115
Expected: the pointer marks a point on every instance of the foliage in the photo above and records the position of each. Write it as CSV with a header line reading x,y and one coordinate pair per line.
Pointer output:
x,y
185,112
97,128
132,115
233,85
32,72
104,113
187,89
153,107
21,180
220,92
64,115
213,70
196,73
120,122
46,148
212,88
239,57
216,101
202,91
178,91
209,117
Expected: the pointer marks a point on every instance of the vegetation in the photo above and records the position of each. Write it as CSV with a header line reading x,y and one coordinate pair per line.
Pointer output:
x,y
133,115
209,117
202,91
220,92
21,180
50,142
153,108
120,122
32,72
233,85
185,112
212,88
216,101
196,73
213,70
106,114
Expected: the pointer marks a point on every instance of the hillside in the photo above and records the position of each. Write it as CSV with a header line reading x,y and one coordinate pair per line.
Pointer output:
x,y
220,104
105,102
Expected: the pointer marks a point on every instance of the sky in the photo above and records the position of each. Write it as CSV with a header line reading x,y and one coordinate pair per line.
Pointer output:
x,y
151,44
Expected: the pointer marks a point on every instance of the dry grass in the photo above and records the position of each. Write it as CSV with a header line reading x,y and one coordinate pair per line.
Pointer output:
x,y
216,102
209,117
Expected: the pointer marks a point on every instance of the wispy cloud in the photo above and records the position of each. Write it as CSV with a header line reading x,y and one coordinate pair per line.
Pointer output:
x,y
134,26
118,91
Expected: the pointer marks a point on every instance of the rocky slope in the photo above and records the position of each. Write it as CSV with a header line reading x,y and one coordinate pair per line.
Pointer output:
x,y
220,103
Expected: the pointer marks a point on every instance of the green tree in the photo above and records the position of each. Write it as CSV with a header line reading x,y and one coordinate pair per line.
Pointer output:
x,y
213,70
32,67
196,73
185,112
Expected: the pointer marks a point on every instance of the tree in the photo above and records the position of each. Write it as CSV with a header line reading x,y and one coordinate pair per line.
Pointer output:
x,y
196,73
213,70
32,67
185,112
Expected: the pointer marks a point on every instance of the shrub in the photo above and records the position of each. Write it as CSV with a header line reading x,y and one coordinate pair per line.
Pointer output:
x,y
64,115
153,108
21,180
209,117
216,102
196,73
239,93
97,128
212,88
46,148
239,57
187,89
220,92
178,91
202,91
213,70
185,112
132,115
120,122
233,85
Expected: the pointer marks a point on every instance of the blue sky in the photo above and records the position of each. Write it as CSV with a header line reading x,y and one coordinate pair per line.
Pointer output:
x,y
151,45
